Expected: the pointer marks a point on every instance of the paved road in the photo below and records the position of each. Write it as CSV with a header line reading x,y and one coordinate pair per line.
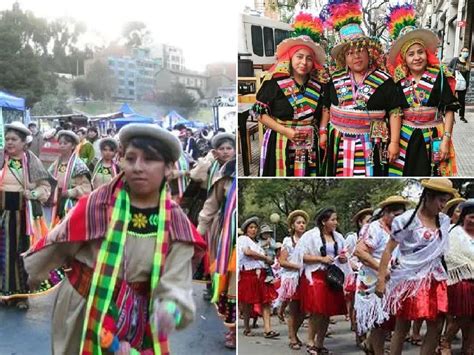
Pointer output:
x,y
462,137
26,333
342,342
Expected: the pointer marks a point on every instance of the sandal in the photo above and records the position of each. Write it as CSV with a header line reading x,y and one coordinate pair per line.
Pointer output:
x,y
365,348
22,305
294,346
311,349
271,334
230,342
248,333
322,351
416,341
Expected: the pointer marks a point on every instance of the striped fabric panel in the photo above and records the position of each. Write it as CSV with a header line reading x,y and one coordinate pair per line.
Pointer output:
x,y
368,146
264,149
372,82
280,152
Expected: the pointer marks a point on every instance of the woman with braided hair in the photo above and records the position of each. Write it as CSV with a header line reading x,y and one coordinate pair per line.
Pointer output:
x,y
417,285
317,250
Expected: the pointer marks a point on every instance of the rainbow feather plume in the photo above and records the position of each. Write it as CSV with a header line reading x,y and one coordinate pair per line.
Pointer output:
x,y
306,24
400,16
338,13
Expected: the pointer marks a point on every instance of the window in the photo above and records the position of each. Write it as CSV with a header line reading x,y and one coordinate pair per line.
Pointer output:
x,y
131,83
257,43
280,35
121,73
131,92
269,41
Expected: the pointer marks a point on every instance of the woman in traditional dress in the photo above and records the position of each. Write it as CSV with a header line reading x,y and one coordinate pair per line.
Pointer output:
x,y
417,286
220,209
317,249
452,209
252,288
289,104
360,219
364,123
460,264
24,186
130,248
370,315
288,292
106,168
427,99
72,175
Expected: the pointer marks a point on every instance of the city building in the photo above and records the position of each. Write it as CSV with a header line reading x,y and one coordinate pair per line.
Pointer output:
x,y
194,83
171,56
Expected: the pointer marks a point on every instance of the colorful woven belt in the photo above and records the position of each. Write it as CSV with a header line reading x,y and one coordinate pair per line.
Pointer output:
x,y
350,121
421,117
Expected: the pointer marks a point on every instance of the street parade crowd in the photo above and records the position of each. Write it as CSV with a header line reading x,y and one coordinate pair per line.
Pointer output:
x,y
118,225
399,268
351,108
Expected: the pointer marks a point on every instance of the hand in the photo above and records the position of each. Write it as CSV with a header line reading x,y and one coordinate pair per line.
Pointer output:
x,y
342,259
444,148
380,288
393,151
124,348
65,194
29,195
323,138
269,260
327,259
166,316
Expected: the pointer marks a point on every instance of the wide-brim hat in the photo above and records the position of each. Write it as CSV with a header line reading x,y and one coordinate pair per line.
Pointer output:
x,y
361,213
18,126
349,35
467,203
265,228
429,39
71,134
288,43
453,202
168,140
108,140
394,200
297,213
439,184
249,221
220,137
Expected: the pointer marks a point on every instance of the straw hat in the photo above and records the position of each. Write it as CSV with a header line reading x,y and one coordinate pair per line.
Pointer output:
x,y
439,184
265,228
71,134
168,140
307,31
249,221
453,202
393,200
401,24
361,213
19,127
297,213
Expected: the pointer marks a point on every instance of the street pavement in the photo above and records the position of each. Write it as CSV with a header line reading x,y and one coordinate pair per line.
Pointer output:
x,y
26,333
341,342
463,140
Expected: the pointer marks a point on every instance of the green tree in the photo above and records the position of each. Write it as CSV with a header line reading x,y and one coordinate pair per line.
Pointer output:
x,y
100,81
177,98
52,105
81,87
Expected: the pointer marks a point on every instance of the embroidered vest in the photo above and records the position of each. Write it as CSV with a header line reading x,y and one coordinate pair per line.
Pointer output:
x,y
304,103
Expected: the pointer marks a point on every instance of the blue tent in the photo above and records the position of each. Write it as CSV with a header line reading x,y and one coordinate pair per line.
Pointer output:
x,y
130,116
126,109
11,102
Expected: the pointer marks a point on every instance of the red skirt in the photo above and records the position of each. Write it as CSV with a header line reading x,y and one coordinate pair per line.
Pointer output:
x,y
427,304
461,299
253,289
318,298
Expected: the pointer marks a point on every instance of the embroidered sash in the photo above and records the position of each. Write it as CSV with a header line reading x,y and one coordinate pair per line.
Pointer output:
x,y
419,95
304,104
350,121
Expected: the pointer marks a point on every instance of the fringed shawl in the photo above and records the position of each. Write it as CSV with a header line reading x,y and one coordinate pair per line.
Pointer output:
x,y
460,256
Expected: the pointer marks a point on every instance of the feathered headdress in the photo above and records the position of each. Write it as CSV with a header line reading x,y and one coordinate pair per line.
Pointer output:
x,y
345,17
308,25
399,19
403,31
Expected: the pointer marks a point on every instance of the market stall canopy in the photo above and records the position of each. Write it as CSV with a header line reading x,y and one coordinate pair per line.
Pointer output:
x,y
11,102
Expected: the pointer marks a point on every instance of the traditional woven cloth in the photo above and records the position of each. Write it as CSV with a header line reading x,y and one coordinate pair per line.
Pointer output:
x,y
182,165
460,256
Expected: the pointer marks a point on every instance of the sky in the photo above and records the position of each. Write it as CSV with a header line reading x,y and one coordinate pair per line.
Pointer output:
x,y
206,30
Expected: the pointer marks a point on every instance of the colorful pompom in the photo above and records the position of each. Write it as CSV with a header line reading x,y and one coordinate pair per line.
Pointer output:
x,y
338,13
307,25
400,16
